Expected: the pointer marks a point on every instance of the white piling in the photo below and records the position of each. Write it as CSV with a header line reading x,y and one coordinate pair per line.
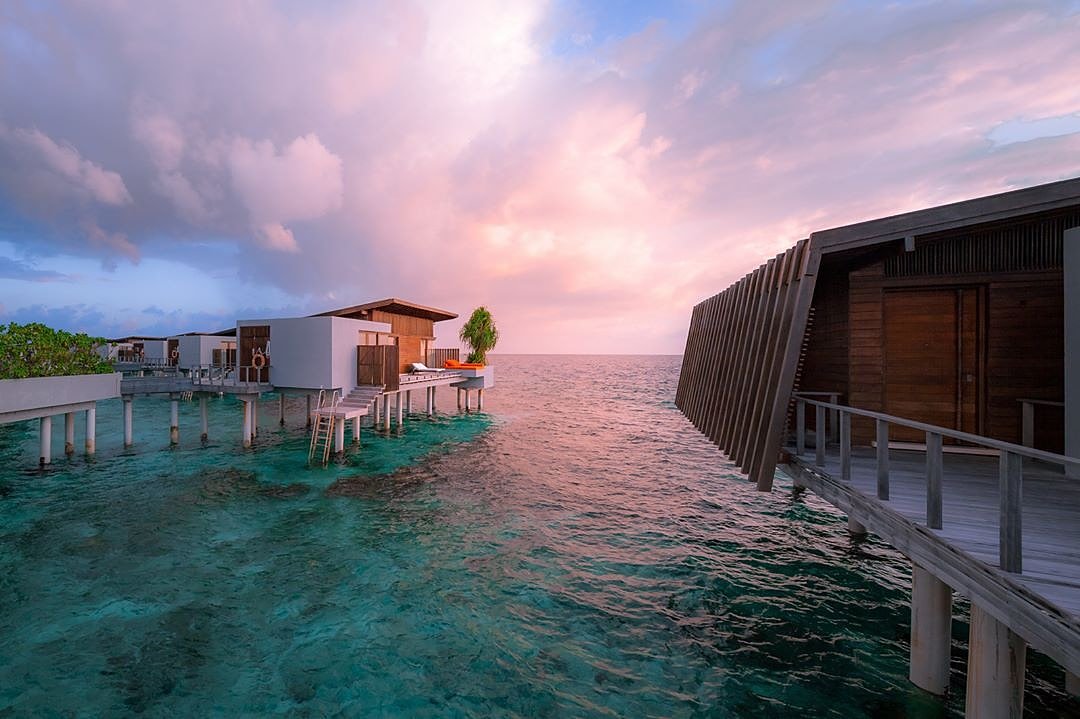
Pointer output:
x,y
247,423
69,433
254,416
468,408
386,412
400,406
997,659
408,402
281,409
479,400
91,430
45,432
174,419
931,631
129,437
204,415
309,411
339,435
355,430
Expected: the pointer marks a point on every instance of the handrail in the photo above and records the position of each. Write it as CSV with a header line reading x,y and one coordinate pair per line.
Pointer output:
x,y
1010,467
998,444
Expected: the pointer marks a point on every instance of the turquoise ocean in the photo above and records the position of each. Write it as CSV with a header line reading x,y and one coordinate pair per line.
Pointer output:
x,y
576,550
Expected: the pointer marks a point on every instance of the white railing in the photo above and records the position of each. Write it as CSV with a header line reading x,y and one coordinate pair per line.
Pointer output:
x,y
1010,467
211,376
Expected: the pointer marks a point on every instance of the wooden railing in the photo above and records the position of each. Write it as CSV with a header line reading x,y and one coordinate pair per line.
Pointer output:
x,y
437,357
214,376
1027,418
1010,467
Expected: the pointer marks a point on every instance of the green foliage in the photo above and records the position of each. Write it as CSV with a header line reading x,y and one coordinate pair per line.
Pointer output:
x,y
34,350
480,334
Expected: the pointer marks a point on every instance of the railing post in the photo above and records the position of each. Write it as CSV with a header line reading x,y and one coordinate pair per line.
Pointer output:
x,y
819,436
1027,423
882,459
800,427
835,419
845,446
933,480
1010,483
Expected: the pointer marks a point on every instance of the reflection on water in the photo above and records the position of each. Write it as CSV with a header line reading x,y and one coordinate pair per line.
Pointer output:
x,y
577,550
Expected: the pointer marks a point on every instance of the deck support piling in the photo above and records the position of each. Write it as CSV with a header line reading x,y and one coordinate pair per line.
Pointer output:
x,y
247,421
855,528
355,430
430,401
931,631
91,430
204,416
69,433
479,400
281,409
45,432
459,399
468,408
386,412
254,416
997,658
339,436
174,419
128,434
400,407
309,411
408,401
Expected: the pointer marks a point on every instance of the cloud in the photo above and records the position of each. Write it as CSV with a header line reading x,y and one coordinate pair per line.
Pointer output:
x,y
450,152
12,269
85,177
302,182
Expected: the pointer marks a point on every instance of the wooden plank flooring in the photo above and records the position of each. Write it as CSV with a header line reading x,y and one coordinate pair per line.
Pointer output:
x,y
970,515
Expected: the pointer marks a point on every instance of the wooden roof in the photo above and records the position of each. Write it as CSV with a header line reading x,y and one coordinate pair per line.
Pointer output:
x,y
393,305
981,210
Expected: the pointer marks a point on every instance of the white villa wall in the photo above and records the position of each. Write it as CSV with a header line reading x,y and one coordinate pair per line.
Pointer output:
x,y
198,349
154,350
315,352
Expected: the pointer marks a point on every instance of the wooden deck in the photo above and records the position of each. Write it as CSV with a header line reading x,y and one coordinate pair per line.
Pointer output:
x,y
1042,603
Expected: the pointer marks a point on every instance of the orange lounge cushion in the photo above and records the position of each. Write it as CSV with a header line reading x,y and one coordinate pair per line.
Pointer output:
x,y
455,364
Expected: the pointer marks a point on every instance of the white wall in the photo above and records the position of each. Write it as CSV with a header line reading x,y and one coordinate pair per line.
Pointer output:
x,y
198,349
154,350
315,352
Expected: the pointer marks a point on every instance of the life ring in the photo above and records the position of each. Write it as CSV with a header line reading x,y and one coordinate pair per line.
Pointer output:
x,y
258,359
174,354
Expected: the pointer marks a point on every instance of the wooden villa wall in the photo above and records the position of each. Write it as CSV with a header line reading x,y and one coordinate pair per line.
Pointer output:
x,y
742,352
825,366
1013,272
410,332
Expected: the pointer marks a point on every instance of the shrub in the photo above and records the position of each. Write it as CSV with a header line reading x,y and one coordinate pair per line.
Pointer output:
x,y
35,350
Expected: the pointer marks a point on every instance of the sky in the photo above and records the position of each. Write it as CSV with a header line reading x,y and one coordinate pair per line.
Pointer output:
x,y
586,170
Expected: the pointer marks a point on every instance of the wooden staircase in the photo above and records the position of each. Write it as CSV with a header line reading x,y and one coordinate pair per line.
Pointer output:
x,y
362,396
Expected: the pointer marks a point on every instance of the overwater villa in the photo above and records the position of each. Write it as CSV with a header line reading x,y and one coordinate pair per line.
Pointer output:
x,y
922,373
359,361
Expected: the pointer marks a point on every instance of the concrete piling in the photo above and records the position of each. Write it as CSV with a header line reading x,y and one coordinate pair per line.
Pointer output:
x,y
997,660
45,432
174,419
91,430
204,416
69,433
931,631
128,420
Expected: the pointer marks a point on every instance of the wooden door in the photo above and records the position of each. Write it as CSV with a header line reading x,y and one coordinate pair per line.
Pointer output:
x,y
253,337
172,353
933,358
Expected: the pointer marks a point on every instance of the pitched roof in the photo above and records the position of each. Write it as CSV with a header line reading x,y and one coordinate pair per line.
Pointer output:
x,y
392,305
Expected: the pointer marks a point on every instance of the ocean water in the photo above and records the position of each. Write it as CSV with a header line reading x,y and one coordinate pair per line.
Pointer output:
x,y
578,549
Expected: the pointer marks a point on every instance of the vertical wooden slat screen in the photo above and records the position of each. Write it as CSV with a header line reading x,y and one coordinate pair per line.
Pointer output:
x,y
742,352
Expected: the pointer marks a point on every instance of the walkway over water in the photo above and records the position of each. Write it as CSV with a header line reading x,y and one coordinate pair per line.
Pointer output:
x,y
1041,603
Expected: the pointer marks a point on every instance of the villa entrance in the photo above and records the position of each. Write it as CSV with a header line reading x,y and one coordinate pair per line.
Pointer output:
x,y
933,357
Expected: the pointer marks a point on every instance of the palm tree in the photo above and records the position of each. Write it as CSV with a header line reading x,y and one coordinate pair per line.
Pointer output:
x,y
480,334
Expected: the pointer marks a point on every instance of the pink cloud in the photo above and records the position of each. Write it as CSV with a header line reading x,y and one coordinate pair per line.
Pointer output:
x,y
443,150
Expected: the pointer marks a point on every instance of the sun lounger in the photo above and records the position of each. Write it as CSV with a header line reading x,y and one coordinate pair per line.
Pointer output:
x,y
421,367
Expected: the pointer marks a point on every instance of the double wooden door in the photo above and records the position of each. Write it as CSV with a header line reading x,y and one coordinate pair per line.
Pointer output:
x,y
934,358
